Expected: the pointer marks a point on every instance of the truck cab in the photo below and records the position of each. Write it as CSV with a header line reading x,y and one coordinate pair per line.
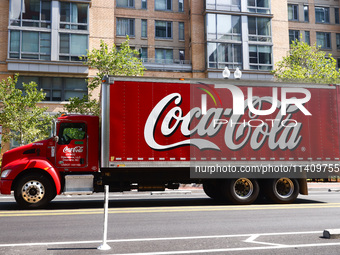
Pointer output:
x,y
37,172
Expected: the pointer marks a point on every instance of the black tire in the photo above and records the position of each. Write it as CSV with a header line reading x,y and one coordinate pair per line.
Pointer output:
x,y
282,190
212,189
34,191
241,191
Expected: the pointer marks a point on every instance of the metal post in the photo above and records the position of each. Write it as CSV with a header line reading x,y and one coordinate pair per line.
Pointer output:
x,y
104,246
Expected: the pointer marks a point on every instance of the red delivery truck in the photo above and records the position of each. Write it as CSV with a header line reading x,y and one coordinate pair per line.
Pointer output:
x,y
236,137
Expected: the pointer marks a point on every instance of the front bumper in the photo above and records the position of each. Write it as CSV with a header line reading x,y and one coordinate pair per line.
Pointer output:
x,y
5,187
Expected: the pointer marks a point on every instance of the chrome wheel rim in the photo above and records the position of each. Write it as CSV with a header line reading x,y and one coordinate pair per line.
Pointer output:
x,y
284,187
33,191
243,188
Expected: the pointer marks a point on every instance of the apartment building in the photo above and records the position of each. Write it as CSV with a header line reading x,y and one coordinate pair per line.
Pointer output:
x,y
316,22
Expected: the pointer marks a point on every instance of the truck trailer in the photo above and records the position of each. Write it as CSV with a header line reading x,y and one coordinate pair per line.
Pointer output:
x,y
239,138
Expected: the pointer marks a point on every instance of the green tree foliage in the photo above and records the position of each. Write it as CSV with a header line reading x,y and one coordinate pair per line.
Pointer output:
x,y
20,116
306,63
122,61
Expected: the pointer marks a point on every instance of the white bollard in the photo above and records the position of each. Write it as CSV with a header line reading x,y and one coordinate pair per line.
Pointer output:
x,y
104,246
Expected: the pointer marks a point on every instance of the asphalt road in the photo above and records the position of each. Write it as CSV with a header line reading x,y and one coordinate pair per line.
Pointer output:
x,y
176,223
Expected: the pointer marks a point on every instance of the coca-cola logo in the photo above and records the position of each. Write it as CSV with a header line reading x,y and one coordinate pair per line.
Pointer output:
x,y
281,132
77,149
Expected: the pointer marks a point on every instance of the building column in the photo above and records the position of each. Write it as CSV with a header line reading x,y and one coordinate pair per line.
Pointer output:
x,y
54,30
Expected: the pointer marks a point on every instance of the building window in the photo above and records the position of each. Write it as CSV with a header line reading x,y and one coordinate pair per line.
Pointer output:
x,y
338,41
307,37
259,6
293,11
323,40
163,5
126,3
336,15
181,5
163,29
306,13
260,57
30,45
223,27
321,14
144,4
143,53
144,32
72,46
125,27
294,35
73,16
181,31
224,5
259,29
164,56
221,55
30,13
57,88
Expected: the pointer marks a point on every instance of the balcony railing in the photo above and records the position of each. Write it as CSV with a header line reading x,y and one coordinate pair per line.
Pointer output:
x,y
167,64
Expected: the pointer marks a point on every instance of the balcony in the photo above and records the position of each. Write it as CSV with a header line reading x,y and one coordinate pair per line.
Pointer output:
x,y
153,64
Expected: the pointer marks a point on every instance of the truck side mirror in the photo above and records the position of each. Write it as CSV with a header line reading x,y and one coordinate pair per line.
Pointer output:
x,y
56,138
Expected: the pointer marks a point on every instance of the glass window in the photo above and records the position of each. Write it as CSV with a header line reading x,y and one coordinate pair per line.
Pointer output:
x,y
223,27
125,27
71,131
144,32
181,5
74,16
30,13
30,45
164,56
163,5
260,57
338,61
72,46
259,6
306,12
336,15
143,52
259,29
224,5
221,55
57,88
294,35
338,41
144,4
323,39
181,30
163,29
307,37
125,3
293,11
321,14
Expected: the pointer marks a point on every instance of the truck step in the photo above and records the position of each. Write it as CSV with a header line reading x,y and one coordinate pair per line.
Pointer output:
x,y
78,184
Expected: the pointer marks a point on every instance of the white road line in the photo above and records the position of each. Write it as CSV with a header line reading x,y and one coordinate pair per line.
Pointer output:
x,y
159,239
252,238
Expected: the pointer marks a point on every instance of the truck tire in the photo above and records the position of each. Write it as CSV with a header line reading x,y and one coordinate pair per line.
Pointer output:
x,y
212,189
34,191
282,190
241,191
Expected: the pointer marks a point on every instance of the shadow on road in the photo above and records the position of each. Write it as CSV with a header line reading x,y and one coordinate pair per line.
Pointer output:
x,y
142,202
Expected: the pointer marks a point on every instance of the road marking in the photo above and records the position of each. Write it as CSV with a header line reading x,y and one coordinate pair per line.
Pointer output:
x,y
167,209
252,239
162,239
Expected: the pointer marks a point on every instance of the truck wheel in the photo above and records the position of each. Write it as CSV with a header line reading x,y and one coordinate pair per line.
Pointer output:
x,y
34,191
241,191
283,190
212,189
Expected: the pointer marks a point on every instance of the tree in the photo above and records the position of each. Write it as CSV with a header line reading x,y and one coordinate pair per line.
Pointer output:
x,y
113,61
21,118
306,63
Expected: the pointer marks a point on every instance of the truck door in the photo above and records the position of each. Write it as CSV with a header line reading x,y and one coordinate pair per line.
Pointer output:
x,y
71,148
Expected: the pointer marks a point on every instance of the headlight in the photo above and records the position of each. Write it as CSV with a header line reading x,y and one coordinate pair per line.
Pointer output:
x,y
5,173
